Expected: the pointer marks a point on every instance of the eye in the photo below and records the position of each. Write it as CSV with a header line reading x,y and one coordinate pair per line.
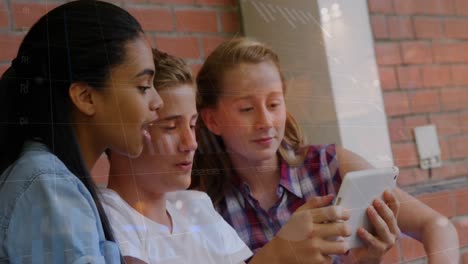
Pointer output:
x,y
246,109
144,88
275,104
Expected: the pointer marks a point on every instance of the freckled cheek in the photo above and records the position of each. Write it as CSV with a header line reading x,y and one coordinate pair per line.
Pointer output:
x,y
280,122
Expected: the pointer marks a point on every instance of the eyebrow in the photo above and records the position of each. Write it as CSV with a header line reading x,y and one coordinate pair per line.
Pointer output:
x,y
149,72
251,96
174,117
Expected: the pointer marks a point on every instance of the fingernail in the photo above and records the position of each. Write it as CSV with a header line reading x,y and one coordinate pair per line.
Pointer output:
x,y
378,202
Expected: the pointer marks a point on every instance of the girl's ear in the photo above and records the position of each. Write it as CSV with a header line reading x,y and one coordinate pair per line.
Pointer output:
x,y
209,117
81,94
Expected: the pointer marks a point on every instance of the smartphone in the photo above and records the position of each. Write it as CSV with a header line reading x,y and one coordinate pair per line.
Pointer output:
x,y
357,191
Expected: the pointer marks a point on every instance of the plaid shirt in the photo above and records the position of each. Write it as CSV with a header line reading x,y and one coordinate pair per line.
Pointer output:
x,y
317,176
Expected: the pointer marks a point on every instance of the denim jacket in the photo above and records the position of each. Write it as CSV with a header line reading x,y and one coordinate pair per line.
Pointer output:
x,y
47,215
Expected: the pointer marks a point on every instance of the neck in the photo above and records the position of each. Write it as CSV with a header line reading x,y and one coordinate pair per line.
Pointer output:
x,y
89,149
261,176
123,181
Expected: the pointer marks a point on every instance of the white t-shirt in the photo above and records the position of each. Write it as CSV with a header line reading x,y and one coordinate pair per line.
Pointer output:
x,y
200,234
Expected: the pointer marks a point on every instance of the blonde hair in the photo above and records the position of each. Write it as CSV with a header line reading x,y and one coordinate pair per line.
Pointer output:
x,y
170,71
213,170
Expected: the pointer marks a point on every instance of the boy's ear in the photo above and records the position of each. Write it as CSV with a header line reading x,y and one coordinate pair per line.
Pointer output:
x,y
81,94
209,117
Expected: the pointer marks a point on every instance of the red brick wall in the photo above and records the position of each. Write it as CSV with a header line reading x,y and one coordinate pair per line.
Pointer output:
x,y
187,28
421,49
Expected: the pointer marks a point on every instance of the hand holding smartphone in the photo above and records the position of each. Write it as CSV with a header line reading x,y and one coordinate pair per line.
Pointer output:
x,y
357,191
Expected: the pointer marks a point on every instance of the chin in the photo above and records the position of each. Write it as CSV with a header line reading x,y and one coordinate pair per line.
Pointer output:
x,y
130,151
178,187
184,181
263,155
134,152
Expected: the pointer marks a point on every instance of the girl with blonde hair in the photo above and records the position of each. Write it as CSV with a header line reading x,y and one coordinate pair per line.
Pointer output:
x,y
276,190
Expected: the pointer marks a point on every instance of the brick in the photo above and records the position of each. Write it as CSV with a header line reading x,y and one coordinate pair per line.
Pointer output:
x,y
456,28
412,176
442,202
398,130
388,79
424,101
444,149
426,7
405,154
379,26
153,19
100,171
415,121
26,14
450,170
465,258
411,249
405,7
210,43
454,99
125,2
184,47
3,68
464,122
174,2
461,196
400,28
387,53
428,28
9,45
380,6
416,52
409,77
4,23
196,21
458,147
450,52
460,74
216,2
396,104
446,123
392,256
461,7
195,68
462,229
436,76
230,22
438,7
122,3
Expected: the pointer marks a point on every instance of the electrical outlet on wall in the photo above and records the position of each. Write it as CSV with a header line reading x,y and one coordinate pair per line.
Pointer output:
x,y
428,146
